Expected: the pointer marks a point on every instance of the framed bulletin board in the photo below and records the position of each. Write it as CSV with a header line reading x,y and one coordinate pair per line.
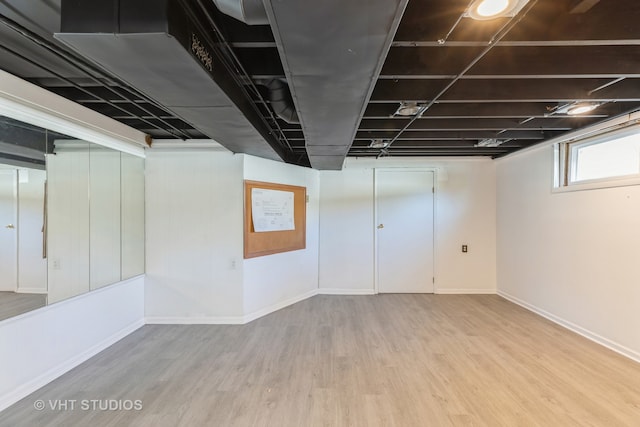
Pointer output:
x,y
274,218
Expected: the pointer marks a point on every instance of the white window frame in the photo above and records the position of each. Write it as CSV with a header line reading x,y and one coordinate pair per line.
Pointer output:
x,y
565,163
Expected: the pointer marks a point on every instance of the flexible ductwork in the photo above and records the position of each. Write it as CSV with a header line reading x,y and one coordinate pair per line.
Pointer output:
x,y
250,12
281,101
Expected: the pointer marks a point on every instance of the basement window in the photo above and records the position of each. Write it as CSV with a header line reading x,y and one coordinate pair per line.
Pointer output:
x,y
607,160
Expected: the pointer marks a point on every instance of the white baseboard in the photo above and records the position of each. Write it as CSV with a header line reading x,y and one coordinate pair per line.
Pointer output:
x,y
275,307
31,291
213,320
611,345
229,320
337,291
464,291
57,371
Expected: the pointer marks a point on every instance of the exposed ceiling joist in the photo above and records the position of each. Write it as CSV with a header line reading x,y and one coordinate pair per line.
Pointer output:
x,y
557,53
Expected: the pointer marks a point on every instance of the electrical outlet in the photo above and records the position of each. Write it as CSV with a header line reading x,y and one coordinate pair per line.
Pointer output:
x,y
233,264
465,249
56,264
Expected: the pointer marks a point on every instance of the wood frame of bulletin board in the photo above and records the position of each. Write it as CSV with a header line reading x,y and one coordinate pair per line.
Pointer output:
x,y
272,242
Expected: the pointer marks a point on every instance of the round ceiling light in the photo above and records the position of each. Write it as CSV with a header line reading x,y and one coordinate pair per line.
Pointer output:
x,y
407,109
581,108
489,8
378,143
483,10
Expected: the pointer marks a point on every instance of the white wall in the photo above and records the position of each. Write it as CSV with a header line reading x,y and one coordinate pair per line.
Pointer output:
x,y
194,239
68,221
465,214
193,218
132,214
32,267
346,231
67,333
276,280
104,216
571,256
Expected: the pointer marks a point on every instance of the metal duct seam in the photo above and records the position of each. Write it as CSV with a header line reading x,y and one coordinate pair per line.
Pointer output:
x,y
251,12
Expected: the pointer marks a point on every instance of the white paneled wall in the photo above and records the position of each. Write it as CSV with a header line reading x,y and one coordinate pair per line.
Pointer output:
x,y
68,221
193,236
465,214
571,256
104,216
32,267
132,215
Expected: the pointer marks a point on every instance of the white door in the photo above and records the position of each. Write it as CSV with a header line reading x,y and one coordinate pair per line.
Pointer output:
x,y
8,230
405,220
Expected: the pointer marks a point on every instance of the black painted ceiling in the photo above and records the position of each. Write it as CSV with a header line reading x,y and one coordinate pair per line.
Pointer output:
x,y
502,79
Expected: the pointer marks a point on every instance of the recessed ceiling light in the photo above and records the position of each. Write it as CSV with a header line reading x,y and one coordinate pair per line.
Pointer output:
x,y
483,10
489,142
408,108
581,108
378,143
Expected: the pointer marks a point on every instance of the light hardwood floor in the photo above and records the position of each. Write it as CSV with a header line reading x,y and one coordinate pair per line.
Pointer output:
x,y
388,360
13,304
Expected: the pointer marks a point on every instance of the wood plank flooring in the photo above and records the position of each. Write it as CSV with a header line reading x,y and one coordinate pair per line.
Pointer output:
x,y
13,304
387,360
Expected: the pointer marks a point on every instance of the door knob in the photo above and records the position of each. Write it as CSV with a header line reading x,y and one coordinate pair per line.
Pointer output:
x,y
9,226
380,226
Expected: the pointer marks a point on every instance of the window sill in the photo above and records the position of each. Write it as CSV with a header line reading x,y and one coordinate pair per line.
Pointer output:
x,y
598,184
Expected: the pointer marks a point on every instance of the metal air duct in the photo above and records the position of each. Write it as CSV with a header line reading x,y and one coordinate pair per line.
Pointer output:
x,y
332,52
250,12
166,50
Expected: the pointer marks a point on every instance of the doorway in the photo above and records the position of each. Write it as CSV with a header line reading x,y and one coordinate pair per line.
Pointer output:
x,y
8,230
405,230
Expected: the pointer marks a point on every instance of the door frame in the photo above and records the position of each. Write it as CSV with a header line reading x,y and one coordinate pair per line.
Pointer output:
x,y
376,171
16,197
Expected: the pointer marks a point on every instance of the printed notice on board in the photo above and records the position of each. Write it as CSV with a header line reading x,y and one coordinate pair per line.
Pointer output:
x,y
272,210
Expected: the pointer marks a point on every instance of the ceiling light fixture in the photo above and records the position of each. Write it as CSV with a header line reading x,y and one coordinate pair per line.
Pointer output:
x,y
581,108
574,108
489,142
489,8
483,10
379,143
408,108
